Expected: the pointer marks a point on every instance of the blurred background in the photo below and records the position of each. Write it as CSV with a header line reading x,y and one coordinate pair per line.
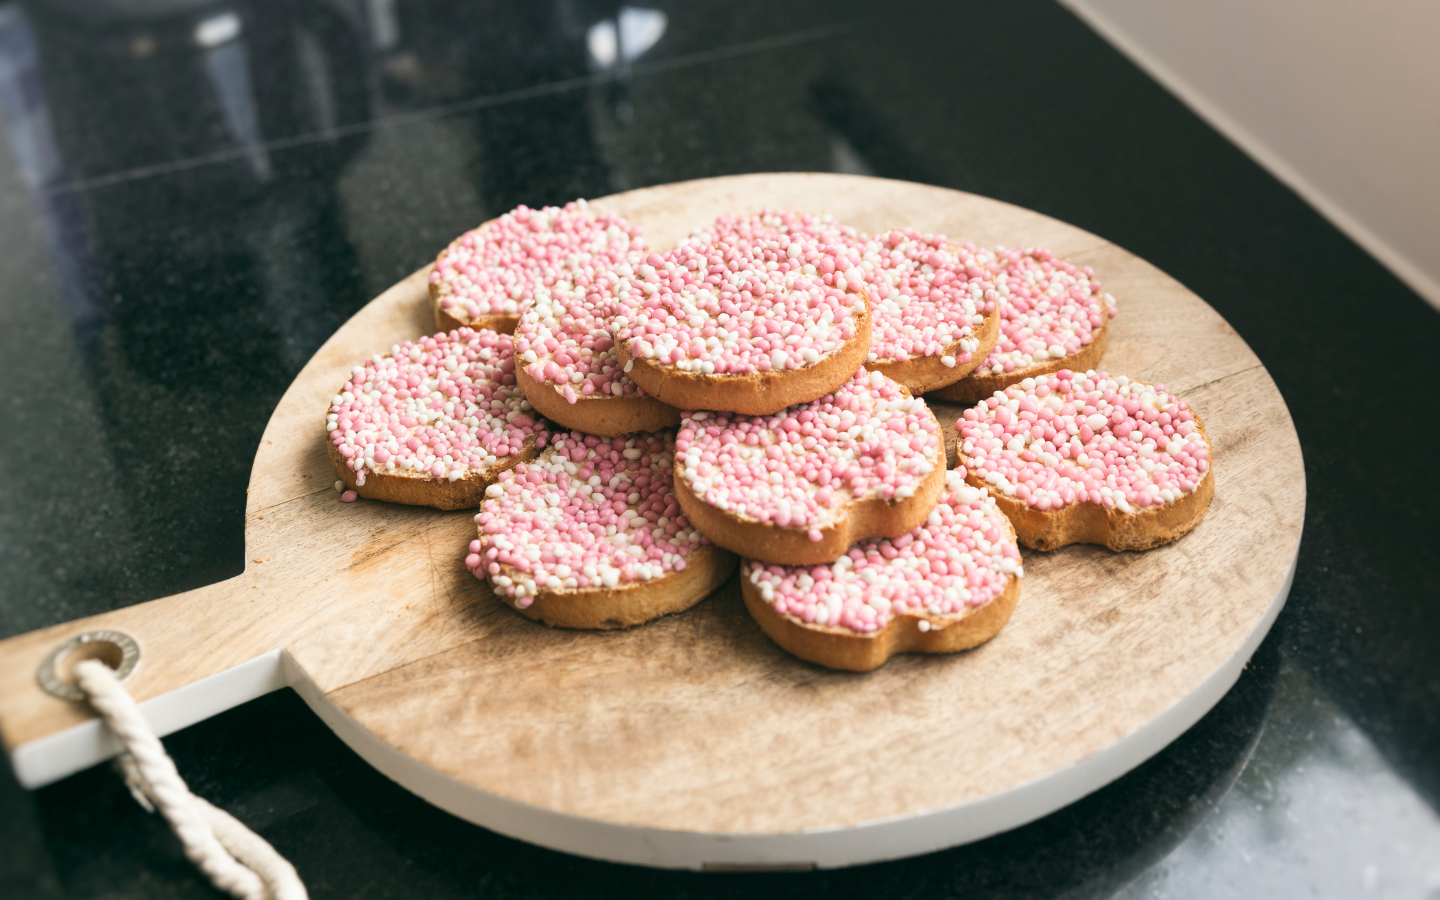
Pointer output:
x,y
194,194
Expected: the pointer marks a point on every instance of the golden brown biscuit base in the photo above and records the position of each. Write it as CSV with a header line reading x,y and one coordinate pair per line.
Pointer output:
x,y
974,388
444,321
606,416
926,373
706,568
413,489
756,394
1090,523
841,648
860,520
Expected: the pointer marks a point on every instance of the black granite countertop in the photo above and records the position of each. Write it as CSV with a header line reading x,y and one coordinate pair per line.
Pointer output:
x,y
195,193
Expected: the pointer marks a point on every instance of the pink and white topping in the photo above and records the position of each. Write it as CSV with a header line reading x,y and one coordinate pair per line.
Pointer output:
x,y
499,267
564,339
800,467
739,309
1066,438
961,558
442,407
776,225
926,294
590,513
1049,308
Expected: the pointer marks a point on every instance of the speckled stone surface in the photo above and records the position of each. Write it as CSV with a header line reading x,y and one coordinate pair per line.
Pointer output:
x,y
183,225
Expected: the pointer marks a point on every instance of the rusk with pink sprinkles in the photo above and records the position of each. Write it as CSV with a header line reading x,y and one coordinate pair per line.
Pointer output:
x,y
949,584
933,309
1087,458
1054,316
802,485
590,535
749,328
568,365
433,422
485,278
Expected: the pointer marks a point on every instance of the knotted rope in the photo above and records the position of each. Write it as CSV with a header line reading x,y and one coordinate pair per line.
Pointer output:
x,y
235,859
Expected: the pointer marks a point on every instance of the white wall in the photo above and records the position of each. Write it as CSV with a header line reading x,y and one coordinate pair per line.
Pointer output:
x,y
1340,99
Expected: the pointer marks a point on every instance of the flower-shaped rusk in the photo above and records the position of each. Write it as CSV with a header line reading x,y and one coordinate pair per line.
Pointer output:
x,y
589,535
487,275
433,422
568,366
747,327
801,486
933,309
949,584
1086,458
1053,316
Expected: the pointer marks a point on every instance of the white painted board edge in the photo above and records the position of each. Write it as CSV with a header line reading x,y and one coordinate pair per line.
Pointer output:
x,y
64,753
49,759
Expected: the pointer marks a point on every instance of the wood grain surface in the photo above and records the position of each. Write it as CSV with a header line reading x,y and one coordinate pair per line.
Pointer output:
x,y
697,722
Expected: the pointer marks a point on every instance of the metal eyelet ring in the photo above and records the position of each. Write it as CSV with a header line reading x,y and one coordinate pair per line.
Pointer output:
x,y
124,643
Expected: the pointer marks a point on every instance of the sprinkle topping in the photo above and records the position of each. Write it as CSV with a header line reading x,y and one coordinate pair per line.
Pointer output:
x,y
777,225
496,268
1085,438
1049,308
564,339
799,467
589,513
927,295
441,407
959,559
736,309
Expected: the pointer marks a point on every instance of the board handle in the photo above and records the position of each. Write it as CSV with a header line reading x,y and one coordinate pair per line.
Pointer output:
x,y
178,641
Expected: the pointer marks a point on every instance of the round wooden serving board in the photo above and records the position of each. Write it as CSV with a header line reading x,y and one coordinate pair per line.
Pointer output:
x,y
693,741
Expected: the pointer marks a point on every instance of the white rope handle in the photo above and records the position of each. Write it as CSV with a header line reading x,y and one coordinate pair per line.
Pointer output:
x,y
235,859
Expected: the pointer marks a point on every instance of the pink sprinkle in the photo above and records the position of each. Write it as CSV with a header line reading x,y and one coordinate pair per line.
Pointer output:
x,y
564,336
1049,308
1065,438
496,268
961,558
926,295
590,513
348,497
727,309
796,468
438,408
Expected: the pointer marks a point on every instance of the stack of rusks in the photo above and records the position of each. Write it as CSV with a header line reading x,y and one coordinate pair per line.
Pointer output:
x,y
633,425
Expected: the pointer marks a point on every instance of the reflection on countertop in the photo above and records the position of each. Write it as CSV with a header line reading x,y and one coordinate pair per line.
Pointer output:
x,y
1317,812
